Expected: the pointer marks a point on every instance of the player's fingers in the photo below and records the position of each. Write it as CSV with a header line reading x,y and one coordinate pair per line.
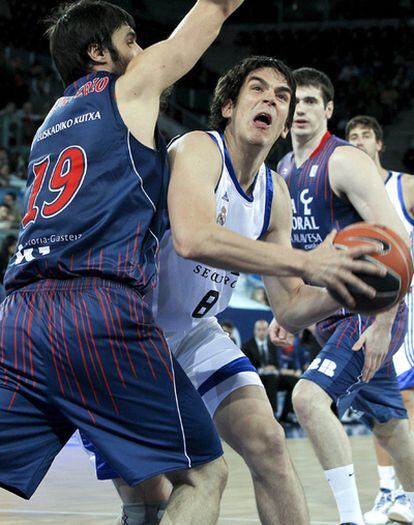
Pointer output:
x,y
359,344
330,238
367,371
359,251
356,266
345,297
352,281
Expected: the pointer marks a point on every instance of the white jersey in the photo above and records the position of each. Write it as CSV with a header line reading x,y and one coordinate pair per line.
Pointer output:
x,y
189,291
404,358
393,185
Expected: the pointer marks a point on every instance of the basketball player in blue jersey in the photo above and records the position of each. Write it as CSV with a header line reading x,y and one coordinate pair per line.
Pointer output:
x,y
333,184
229,211
79,347
365,133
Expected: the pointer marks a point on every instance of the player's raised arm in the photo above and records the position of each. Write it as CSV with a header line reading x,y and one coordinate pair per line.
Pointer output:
x,y
164,63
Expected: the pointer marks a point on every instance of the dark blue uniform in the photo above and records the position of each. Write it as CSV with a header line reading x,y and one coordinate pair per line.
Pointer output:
x,y
78,344
337,369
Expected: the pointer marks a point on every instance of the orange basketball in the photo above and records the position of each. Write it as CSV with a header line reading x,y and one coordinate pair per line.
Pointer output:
x,y
395,256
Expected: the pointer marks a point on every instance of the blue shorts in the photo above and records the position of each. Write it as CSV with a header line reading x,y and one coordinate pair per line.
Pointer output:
x,y
85,353
337,369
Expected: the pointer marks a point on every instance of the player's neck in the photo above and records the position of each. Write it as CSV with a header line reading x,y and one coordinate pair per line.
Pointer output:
x,y
245,158
304,146
382,171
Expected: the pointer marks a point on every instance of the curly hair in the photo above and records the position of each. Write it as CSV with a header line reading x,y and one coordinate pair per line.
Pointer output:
x,y
230,84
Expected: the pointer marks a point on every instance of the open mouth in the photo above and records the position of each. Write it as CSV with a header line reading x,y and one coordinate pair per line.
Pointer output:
x,y
263,119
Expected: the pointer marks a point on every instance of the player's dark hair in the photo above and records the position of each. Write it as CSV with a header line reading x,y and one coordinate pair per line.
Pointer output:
x,y
73,27
308,76
230,84
364,121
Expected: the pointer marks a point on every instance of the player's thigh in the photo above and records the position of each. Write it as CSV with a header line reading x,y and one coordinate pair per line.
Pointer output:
x,y
245,420
408,398
214,364
380,400
130,398
31,435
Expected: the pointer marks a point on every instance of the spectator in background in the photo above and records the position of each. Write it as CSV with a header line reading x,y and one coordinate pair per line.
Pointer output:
x,y
6,218
6,251
232,331
259,295
4,167
264,356
10,199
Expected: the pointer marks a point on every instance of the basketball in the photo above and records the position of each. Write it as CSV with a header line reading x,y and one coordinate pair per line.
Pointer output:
x,y
395,256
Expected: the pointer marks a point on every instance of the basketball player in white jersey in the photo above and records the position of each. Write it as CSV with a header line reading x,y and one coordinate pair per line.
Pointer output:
x,y
222,199
365,133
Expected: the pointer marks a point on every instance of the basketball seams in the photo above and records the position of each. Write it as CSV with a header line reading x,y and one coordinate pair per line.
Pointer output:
x,y
397,259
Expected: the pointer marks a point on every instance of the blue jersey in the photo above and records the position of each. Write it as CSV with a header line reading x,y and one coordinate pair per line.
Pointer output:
x,y
96,197
316,208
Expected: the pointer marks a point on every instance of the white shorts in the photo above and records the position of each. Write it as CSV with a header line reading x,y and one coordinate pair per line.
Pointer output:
x,y
214,364
404,358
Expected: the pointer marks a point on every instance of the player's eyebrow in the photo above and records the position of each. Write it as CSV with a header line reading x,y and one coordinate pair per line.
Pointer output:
x,y
131,33
278,89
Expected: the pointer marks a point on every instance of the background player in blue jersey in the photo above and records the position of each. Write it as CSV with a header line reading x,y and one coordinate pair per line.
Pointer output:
x,y
224,169
365,133
79,347
333,184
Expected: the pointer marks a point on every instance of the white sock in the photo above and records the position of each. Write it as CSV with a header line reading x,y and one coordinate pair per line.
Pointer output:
x,y
410,496
144,514
343,486
386,477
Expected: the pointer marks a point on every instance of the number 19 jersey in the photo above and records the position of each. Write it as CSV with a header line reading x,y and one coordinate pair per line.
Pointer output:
x,y
189,291
96,197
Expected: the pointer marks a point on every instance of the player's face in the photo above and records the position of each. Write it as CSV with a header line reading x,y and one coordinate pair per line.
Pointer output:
x,y
311,114
124,41
262,107
364,138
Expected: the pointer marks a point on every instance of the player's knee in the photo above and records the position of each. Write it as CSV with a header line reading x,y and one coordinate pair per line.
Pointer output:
x,y
213,476
267,443
391,433
307,399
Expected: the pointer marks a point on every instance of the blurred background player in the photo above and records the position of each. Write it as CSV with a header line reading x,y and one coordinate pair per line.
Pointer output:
x,y
251,109
79,345
365,133
328,181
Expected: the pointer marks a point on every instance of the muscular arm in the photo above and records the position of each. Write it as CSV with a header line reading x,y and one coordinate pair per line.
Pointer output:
x,y
353,175
294,304
164,63
159,66
196,165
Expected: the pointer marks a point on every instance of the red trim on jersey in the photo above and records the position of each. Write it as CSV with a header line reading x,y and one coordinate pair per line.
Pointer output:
x,y
322,143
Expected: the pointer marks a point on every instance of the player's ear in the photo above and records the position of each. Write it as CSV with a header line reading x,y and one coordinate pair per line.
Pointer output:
x,y
380,146
98,54
227,109
329,109
285,132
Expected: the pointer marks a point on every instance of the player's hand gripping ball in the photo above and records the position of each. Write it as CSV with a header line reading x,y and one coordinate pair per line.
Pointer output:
x,y
395,256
